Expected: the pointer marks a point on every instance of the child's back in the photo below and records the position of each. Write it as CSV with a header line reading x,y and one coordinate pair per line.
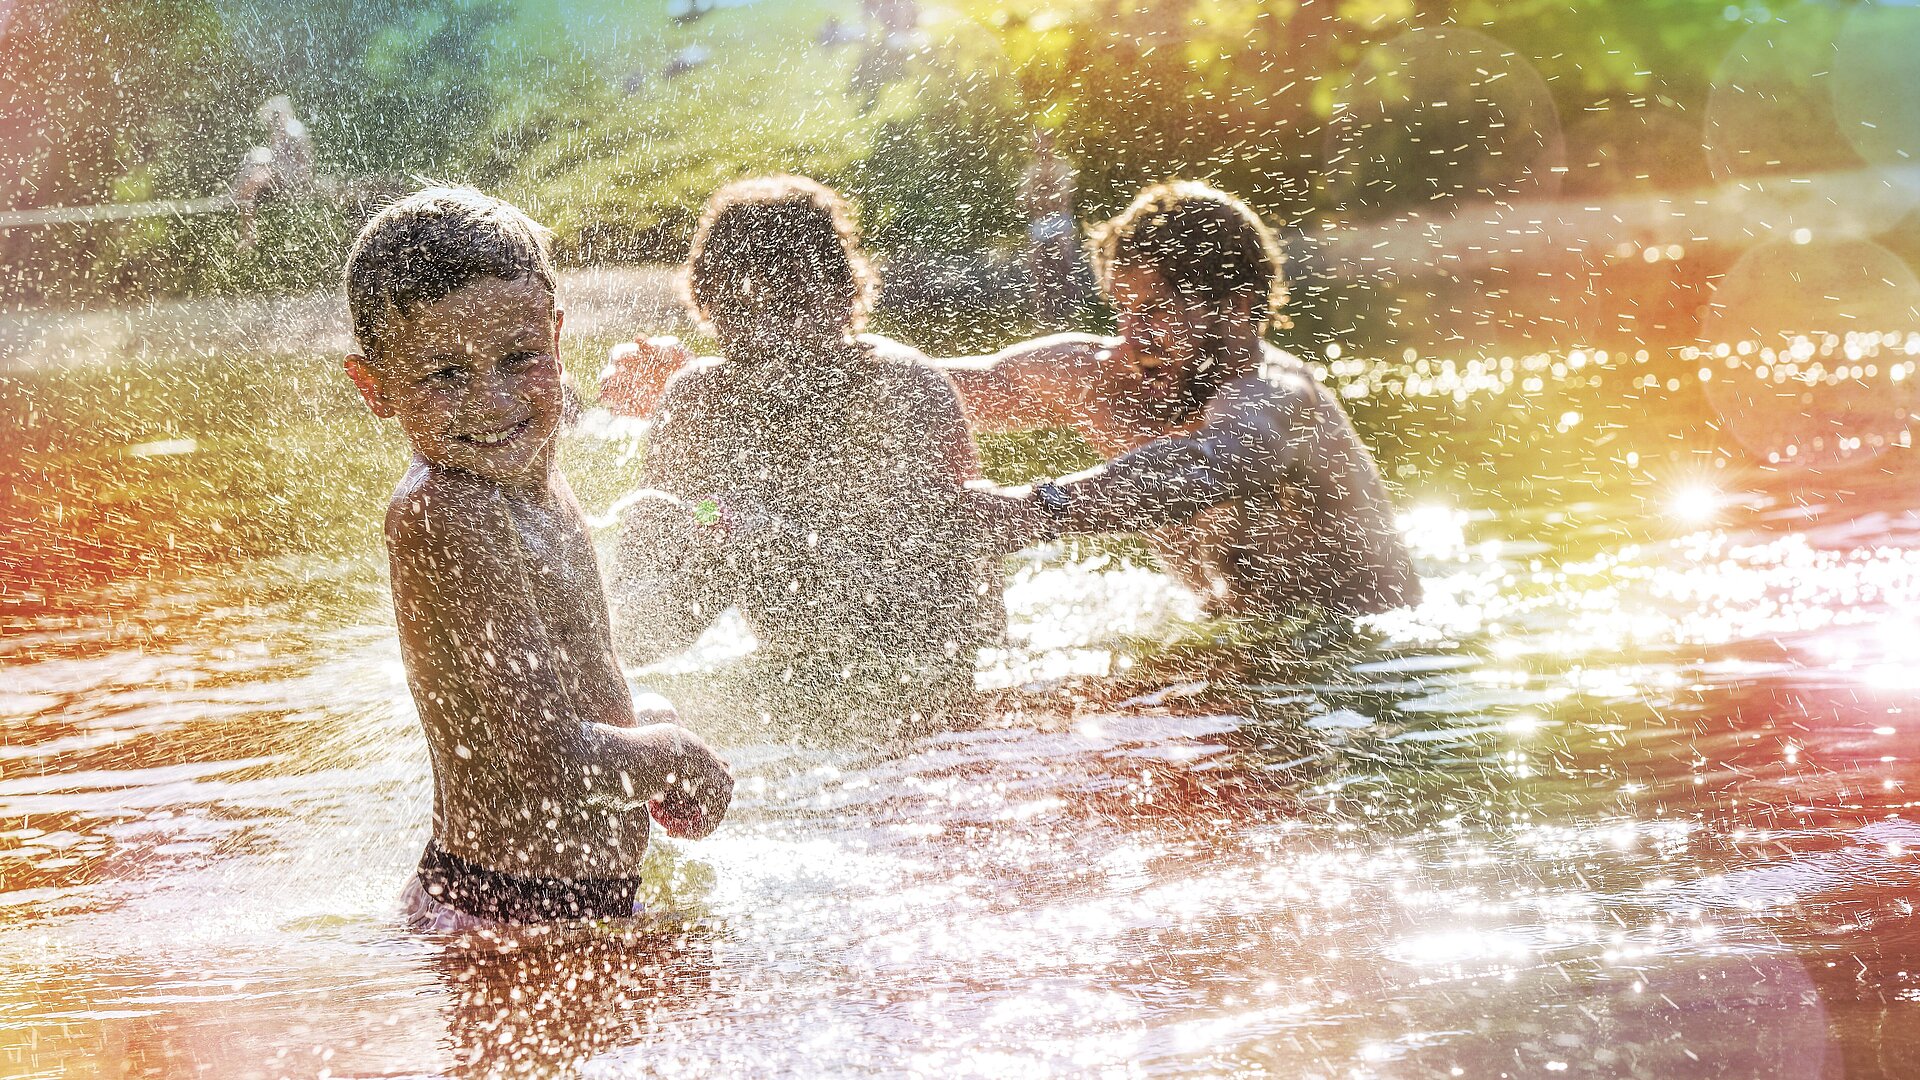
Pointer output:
x,y
541,780
831,467
847,476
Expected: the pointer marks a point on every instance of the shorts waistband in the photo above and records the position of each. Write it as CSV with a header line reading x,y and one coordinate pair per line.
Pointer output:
x,y
494,894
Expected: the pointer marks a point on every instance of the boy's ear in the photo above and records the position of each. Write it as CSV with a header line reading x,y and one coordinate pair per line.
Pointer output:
x,y
559,318
368,384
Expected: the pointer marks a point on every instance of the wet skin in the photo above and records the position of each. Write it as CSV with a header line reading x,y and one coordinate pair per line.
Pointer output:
x,y
1243,470
840,464
539,767
813,478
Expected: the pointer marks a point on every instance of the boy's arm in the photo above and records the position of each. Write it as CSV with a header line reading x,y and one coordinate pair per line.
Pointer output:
x,y
1034,384
489,681
1248,448
693,785
669,581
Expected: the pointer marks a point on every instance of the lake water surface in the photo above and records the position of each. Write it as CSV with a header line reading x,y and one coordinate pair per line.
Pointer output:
x,y
1631,794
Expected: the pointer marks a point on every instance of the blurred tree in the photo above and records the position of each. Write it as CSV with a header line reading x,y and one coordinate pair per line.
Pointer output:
x,y
156,99
1320,112
1244,91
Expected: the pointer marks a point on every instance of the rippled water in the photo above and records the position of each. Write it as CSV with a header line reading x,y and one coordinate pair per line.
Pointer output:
x,y
1628,795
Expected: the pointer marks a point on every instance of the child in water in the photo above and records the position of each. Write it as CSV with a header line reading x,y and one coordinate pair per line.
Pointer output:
x,y
543,775
811,476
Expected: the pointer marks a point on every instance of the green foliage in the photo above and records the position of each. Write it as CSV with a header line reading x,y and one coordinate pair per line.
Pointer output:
x,y
387,87
946,170
601,118
300,244
153,99
621,165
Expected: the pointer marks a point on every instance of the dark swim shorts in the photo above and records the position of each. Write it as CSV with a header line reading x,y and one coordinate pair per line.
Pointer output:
x,y
493,895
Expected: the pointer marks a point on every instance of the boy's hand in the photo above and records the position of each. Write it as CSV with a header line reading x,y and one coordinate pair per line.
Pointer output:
x,y
637,372
698,794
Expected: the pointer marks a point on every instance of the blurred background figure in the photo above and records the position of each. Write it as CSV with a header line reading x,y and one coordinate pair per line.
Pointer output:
x,y
892,35
281,168
811,477
1053,239
835,32
892,19
687,11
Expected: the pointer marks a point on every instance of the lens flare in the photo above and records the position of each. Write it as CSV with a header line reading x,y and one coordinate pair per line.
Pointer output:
x,y
1696,502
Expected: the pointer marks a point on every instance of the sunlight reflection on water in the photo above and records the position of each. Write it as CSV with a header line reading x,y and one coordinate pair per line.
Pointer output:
x,y
1620,795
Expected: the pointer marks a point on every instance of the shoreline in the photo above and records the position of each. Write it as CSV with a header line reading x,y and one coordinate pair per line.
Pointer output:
x,y
614,301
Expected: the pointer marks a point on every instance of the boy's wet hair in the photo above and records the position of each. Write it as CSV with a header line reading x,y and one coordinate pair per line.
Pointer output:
x,y
766,246
1200,240
432,243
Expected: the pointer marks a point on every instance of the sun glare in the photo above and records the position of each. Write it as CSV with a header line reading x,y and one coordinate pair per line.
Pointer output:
x,y
1696,503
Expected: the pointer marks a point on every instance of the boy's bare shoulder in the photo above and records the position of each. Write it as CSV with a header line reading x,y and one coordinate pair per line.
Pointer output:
x,y
892,350
907,370
925,408
899,361
437,507
1274,395
1275,360
1282,374
694,386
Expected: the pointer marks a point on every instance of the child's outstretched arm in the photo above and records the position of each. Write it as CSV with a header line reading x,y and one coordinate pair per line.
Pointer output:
x,y
1033,384
668,581
1247,446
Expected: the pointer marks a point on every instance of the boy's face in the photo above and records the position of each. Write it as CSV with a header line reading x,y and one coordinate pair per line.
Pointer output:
x,y
1175,340
474,378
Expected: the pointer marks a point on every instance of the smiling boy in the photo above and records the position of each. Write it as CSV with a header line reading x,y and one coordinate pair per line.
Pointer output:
x,y
542,777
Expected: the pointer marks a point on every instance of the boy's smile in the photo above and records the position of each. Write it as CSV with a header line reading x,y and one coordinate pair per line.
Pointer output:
x,y
474,378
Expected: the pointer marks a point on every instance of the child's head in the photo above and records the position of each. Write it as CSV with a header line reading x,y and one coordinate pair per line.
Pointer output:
x,y
1201,242
452,298
777,257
